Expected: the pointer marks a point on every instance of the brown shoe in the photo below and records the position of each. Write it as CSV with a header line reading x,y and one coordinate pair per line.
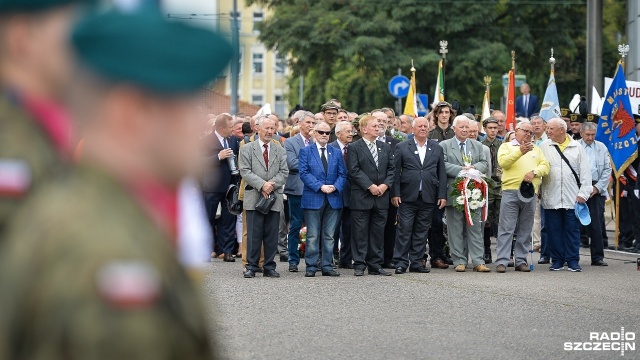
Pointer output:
x,y
439,264
523,267
461,268
501,268
481,268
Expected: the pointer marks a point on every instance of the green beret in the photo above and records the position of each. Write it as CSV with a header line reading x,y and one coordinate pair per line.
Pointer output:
x,y
144,49
489,120
7,6
329,105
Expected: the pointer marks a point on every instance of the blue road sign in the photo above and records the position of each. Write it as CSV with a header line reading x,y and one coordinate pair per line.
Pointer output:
x,y
423,104
399,86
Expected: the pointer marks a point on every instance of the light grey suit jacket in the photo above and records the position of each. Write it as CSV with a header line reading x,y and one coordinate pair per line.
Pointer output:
x,y
254,172
453,161
292,146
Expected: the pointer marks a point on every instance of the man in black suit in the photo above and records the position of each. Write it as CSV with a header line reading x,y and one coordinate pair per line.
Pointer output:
x,y
371,172
390,226
344,132
419,187
220,150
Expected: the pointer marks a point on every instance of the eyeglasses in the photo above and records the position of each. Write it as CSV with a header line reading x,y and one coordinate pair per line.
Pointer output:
x,y
323,132
331,113
528,132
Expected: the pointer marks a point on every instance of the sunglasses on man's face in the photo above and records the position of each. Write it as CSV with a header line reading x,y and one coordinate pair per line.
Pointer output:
x,y
323,132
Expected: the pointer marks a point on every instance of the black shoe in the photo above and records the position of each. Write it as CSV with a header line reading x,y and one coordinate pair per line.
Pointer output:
x,y
330,273
599,263
544,260
420,269
345,266
310,273
448,261
271,273
388,266
249,274
358,272
401,270
284,258
293,268
228,258
380,271
487,259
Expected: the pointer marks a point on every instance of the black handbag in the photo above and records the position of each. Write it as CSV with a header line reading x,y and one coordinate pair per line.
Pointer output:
x,y
264,205
233,203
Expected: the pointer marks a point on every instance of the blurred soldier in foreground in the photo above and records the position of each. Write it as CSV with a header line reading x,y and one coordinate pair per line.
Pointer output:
x,y
34,70
89,267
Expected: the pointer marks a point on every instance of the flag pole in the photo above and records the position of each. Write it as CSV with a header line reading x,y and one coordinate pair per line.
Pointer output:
x,y
443,53
622,49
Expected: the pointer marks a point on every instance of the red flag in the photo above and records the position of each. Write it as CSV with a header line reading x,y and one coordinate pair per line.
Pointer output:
x,y
511,102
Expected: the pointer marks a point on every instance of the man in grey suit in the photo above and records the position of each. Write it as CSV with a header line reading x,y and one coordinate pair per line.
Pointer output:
x,y
454,149
293,187
420,166
371,171
263,167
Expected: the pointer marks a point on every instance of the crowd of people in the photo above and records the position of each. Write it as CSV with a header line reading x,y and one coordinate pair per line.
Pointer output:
x,y
373,191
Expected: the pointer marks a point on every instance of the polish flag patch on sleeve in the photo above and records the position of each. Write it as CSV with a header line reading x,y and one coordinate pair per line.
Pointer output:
x,y
15,178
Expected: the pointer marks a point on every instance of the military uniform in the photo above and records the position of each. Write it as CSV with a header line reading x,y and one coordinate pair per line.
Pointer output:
x,y
73,253
495,196
27,154
440,135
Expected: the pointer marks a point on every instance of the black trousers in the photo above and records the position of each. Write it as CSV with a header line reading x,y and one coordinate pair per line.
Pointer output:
x,y
262,230
223,228
343,233
390,230
367,238
414,221
436,236
594,230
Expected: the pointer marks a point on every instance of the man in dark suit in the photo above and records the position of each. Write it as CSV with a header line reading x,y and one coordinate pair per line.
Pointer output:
x,y
390,226
371,171
527,103
220,149
344,132
419,187
324,176
263,166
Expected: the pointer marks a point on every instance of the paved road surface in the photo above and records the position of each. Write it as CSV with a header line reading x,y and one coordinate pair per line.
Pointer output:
x,y
441,315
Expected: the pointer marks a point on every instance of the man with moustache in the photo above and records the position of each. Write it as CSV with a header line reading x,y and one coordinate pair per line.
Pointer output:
x,y
419,165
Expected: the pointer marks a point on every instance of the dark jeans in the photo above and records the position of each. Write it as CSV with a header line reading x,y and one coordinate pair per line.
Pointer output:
x,y
223,228
436,236
343,233
296,216
262,230
563,235
544,249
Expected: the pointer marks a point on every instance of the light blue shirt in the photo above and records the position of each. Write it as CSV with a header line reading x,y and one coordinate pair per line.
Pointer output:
x,y
591,154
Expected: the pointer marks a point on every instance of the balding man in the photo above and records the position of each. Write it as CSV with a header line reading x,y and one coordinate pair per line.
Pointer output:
x,y
502,124
420,166
220,151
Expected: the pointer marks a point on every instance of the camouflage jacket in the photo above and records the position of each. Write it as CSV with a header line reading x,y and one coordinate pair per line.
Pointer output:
x,y
86,274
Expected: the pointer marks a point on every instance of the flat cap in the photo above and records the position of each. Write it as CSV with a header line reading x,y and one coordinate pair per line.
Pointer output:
x,y
329,105
144,49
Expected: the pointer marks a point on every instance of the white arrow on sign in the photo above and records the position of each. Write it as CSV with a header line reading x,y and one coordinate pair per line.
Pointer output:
x,y
403,85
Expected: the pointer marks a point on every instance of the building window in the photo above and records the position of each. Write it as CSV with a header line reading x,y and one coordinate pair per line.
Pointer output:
x,y
258,62
281,63
258,17
257,100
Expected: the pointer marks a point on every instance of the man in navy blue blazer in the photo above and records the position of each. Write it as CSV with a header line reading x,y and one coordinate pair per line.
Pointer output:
x,y
324,175
527,103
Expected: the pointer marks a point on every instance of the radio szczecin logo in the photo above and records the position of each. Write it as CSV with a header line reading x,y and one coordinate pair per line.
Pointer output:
x,y
605,341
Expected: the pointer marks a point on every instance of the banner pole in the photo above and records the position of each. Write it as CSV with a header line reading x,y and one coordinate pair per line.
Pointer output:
x,y
617,211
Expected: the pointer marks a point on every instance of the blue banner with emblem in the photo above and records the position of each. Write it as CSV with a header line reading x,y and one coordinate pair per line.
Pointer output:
x,y
617,126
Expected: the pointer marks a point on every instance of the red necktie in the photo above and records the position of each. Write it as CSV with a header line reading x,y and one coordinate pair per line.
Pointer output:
x,y
265,155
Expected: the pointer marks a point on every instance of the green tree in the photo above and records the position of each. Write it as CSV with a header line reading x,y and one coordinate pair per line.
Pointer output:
x,y
348,49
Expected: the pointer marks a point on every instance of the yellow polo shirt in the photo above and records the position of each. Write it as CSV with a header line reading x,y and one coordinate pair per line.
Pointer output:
x,y
515,165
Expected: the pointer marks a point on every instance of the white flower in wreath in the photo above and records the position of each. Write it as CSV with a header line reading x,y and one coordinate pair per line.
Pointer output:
x,y
476,194
468,194
482,202
460,200
474,204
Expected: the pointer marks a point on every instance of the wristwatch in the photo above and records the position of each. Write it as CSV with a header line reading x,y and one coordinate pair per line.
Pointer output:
x,y
534,173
